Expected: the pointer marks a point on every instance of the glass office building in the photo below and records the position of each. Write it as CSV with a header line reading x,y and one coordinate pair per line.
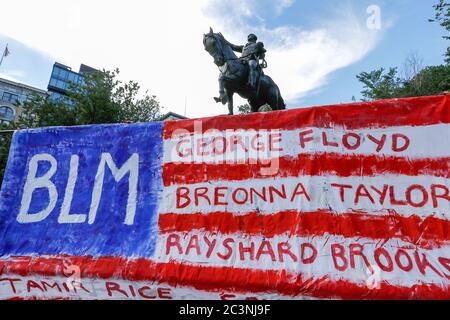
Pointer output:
x,y
61,78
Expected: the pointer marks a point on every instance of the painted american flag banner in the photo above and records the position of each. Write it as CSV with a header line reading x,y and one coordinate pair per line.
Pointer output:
x,y
338,202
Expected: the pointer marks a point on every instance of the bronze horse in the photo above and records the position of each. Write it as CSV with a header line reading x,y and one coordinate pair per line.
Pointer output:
x,y
234,74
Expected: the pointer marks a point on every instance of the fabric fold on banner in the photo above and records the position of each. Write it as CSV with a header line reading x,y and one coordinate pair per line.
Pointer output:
x,y
335,202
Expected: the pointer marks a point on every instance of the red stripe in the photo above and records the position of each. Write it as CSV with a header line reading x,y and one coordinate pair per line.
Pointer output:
x,y
427,233
222,278
34,298
418,111
306,165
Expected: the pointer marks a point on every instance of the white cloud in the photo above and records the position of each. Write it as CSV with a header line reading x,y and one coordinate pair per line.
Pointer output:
x,y
13,75
301,60
159,43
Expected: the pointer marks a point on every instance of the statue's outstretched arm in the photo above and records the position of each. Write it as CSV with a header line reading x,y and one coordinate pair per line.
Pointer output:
x,y
237,48
233,46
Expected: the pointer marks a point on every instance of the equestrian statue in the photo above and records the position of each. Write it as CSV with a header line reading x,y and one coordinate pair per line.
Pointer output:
x,y
244,75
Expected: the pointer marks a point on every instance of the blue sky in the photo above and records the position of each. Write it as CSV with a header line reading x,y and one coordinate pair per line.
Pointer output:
x,y
316,48
410,33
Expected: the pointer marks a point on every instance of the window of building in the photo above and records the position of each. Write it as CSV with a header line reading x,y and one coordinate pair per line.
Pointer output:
x,y
62,84
23,97
10,97
61,78
60,73
53,82
55,73
72,77
64,74
54,97
6,113
58,84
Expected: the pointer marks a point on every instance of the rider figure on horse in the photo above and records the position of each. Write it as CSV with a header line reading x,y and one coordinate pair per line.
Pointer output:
x,y
252,52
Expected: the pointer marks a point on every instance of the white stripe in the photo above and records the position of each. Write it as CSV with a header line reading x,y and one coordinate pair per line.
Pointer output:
x,y
98,290
425,142
323,196
323,266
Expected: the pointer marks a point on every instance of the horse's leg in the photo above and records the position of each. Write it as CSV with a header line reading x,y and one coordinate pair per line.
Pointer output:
x,y
230,102
222,95
253,105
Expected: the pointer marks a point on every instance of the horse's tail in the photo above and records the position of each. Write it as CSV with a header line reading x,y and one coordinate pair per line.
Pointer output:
x,y
281,104
279,101
272,94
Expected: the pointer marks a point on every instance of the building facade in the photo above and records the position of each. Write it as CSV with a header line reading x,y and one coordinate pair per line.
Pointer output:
x,y
172,116
12,94
61,78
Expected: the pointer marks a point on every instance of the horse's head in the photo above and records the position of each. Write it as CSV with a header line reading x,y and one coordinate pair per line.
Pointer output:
x,y
214,45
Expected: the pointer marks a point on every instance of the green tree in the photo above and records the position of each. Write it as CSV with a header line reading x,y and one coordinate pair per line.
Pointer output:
x,y
244,109
442,17
41,112
379,84
5,141
102,98
429,81
135,109
95,101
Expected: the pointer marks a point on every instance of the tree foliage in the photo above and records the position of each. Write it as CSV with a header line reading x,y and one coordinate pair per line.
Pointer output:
x,y
244,109
105,99
5,141
379,84
382,84
442,17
